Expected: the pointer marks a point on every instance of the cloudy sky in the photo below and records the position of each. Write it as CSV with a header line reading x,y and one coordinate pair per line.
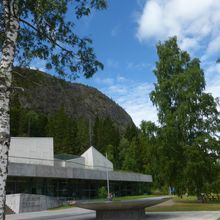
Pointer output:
x,y
125,36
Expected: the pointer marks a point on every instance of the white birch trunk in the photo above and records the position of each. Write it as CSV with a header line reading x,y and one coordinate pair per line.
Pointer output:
x,y
6,63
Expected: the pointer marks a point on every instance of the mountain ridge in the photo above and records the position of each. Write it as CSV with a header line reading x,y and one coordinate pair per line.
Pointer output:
x,y
46,93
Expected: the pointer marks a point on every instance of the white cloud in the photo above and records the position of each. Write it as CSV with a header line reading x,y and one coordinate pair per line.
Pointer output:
x,y
121,79
115,30
134,98
104,81
194,22
38,64
119,90
212,74
112,63
138,66
214,46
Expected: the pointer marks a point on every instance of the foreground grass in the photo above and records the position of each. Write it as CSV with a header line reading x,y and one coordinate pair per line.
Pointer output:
x,y
184,204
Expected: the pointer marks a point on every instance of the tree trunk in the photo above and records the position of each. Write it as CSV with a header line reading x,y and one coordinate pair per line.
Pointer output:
x,y
7,59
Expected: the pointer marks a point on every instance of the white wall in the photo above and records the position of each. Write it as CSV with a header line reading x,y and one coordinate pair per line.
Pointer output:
x,y
39,150
20,203
95,160
13,202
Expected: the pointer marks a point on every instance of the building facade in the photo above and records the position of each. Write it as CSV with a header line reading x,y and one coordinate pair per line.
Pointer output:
x,y
34,170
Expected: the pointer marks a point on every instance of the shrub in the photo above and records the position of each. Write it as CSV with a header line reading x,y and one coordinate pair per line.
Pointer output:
x,y
102,192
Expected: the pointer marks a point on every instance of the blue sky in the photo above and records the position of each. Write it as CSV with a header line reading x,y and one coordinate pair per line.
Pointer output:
x,y
124,37
127,77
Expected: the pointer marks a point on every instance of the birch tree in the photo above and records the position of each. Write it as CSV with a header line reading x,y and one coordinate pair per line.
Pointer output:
x,y
44,30
189,120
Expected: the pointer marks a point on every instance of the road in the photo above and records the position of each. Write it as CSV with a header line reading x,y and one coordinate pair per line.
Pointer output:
x,y
82,214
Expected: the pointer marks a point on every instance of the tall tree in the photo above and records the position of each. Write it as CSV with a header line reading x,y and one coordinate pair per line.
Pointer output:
x,y
83,135
189,119
106,138
150,151
40,29
64,130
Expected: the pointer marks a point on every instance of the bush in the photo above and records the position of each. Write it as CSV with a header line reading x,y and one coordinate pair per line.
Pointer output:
x,y
161,191
102,192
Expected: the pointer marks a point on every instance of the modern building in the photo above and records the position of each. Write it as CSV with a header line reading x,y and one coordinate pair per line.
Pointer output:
x,y
33,169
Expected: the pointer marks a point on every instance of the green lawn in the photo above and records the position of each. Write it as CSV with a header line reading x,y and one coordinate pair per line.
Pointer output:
x,y
185,204
185,207
133,197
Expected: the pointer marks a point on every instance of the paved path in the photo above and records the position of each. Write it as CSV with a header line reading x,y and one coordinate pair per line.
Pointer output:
x,y
83,214
64,214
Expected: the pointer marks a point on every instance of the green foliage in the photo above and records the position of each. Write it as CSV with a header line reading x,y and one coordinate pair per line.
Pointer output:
x,y
131,132
160,191
26,122
102,193
106,138
70,135
130,158
189,145
82,137
46,33
63,129
15,112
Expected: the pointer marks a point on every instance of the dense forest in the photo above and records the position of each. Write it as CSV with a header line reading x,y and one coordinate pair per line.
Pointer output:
x,y
135,149
73,136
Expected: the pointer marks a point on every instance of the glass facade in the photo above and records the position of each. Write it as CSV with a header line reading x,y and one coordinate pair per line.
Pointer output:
x,y
72,188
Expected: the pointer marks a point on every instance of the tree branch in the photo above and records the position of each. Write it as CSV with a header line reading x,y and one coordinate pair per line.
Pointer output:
x,y
48,37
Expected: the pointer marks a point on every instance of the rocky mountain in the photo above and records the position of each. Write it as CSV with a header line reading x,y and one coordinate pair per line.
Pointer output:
x,y
45,93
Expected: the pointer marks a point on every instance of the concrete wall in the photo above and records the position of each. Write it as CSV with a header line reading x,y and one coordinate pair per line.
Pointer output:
x,y
13,202
39,149
29,203
31,170
95,160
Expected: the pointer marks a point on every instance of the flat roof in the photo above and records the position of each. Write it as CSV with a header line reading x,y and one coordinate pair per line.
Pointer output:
x,y
44,171
66,156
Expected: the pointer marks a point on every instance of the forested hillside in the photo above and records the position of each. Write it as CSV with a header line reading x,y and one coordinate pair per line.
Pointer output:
x,y
46,94
51,107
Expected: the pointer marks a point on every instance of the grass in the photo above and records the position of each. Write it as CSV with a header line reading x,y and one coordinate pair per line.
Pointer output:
x,y
185,204
133,197
185,207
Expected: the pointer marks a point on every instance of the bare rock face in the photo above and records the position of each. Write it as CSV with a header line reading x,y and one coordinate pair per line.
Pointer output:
x,y
45,93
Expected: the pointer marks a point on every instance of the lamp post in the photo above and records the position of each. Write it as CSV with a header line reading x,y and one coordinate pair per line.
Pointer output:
x,y
107,176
